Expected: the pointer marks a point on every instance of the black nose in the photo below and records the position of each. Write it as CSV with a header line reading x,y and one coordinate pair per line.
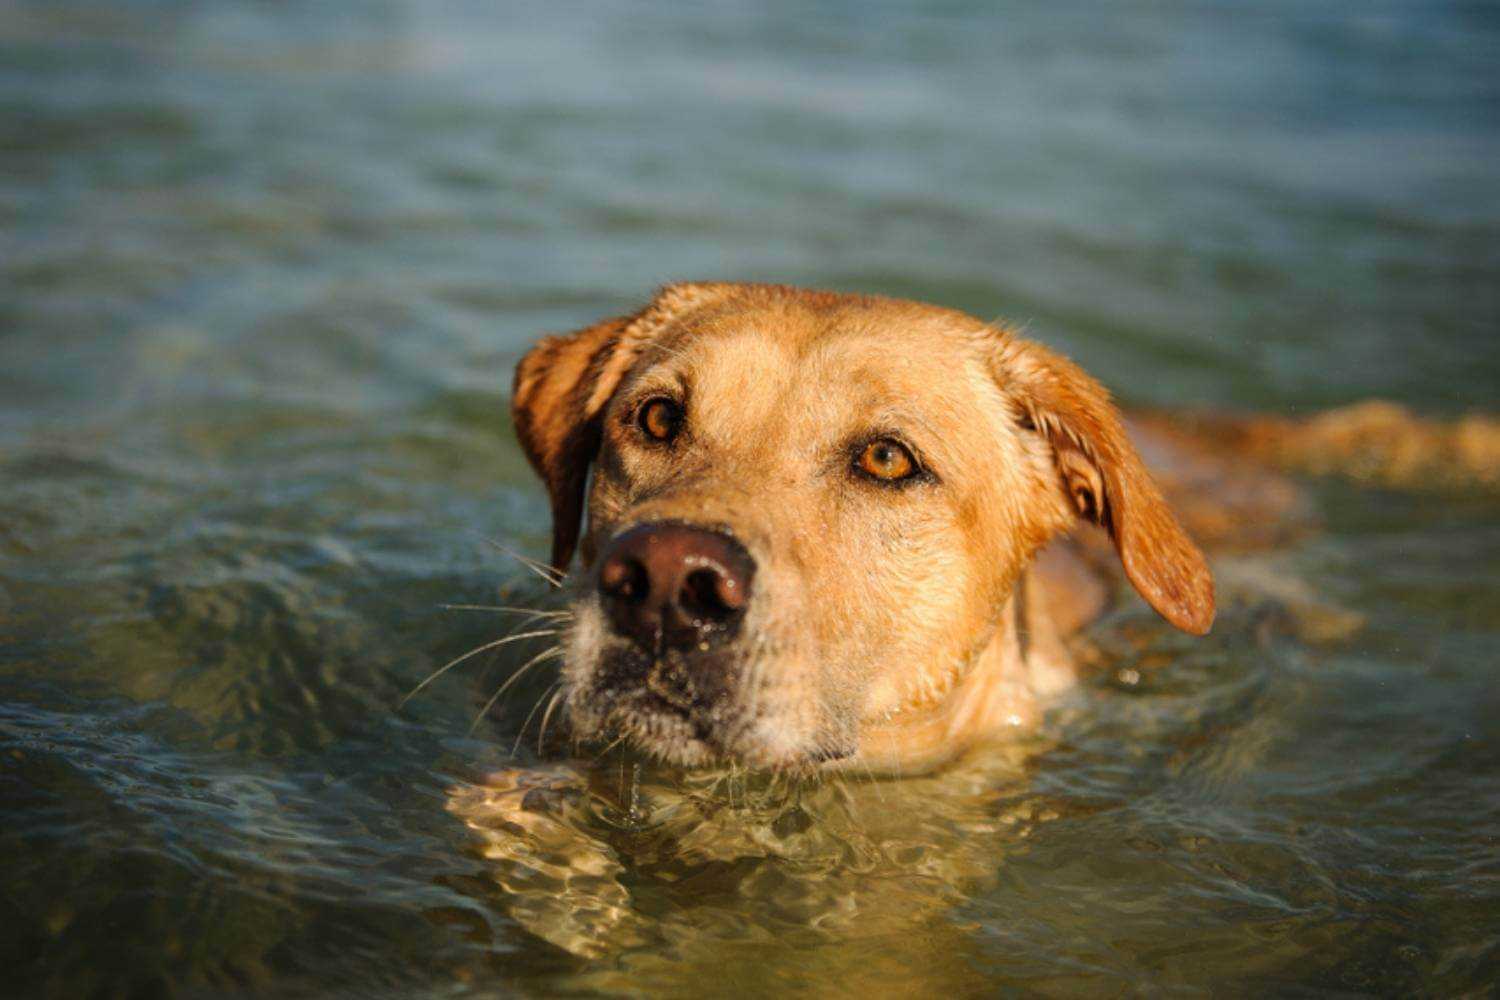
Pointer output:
x,y
669,585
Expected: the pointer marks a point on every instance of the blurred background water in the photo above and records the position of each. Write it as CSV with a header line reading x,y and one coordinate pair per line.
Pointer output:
x,y
265,269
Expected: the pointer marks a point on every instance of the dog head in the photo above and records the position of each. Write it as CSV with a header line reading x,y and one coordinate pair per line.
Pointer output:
x,y
808,510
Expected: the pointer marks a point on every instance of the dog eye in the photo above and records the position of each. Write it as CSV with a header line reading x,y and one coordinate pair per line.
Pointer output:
x,y
659,419
886,460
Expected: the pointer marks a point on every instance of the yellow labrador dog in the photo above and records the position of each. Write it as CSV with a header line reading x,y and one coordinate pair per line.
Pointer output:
x,y
813,534
812,522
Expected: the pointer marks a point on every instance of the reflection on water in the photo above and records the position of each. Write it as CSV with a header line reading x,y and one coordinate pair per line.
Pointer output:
x,y
614,857
264,271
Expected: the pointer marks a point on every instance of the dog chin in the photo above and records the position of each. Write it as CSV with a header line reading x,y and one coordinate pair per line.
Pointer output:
x,y
678,738
663,733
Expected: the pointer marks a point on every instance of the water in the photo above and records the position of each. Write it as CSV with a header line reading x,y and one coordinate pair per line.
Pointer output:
x,y
265,269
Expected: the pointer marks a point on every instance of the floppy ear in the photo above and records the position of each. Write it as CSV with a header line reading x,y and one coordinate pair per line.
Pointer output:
x,y
1106,482
561,389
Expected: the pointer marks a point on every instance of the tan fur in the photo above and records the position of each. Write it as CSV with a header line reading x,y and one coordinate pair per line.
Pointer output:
x,y
1375,441
892,625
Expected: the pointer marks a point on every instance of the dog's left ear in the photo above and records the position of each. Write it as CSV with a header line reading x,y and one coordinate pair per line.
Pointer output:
x,y
1105,481
562,387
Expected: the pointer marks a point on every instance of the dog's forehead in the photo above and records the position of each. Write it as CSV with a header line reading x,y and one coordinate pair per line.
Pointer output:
x,y
851,352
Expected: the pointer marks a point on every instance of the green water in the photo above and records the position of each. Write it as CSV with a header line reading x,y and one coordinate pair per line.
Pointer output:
x,y
265,270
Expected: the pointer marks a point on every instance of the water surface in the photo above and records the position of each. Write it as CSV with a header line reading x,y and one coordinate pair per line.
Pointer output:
x,y
265,270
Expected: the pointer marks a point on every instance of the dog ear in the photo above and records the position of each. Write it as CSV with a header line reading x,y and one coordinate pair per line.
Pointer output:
x,y
562,387
1105,481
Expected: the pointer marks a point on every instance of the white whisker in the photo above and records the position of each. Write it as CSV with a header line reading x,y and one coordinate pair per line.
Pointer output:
x,y
552,576
440,671
608,747
544,655
515,747
509,609
542,733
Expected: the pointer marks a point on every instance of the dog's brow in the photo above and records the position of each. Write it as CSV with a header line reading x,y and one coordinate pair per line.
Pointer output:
x,y
655,379
907,421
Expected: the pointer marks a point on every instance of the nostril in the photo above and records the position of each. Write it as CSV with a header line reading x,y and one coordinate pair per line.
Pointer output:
x,y
708,594
668,586
624,578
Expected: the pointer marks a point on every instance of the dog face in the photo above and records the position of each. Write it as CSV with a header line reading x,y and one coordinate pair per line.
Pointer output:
x,y
808,512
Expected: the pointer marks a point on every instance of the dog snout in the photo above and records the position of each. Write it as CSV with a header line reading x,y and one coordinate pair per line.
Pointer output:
x,y
673,586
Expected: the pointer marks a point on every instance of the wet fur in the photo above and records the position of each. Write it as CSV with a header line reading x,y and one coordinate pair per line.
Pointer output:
x,y
971,630
892,628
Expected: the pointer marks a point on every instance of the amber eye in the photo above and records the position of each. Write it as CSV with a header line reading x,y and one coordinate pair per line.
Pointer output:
x,y
886,460
659,419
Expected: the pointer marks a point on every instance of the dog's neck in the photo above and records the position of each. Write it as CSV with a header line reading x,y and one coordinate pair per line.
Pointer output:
x,y
1003,690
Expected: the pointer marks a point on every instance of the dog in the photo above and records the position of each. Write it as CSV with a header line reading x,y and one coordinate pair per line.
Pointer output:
x,y
808,526
828,539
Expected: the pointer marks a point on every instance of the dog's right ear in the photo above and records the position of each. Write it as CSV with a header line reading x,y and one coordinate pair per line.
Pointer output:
x,y
562,387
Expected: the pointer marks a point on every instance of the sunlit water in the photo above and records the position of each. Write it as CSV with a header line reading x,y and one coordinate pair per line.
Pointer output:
x,y
265,269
